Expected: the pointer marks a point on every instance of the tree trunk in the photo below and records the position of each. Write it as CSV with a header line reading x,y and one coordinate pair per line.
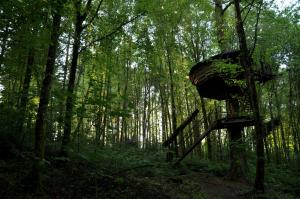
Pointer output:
x,y
267,149
99,113
196,130
219,147
106,112
163,112
277,155
62,106
71,84
39,144
237,151
148,115
180,136
144,122
125,103
221,26
173,108
205,119
4,44
188,108
238,163
293,118
282,133
24,94
246,63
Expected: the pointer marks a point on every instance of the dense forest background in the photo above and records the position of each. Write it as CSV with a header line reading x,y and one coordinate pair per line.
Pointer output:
x,y
108,80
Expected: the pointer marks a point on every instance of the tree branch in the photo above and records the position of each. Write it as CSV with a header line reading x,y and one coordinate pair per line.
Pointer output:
x,y
226,7
249,4
256,28
86,9
94,16
117,29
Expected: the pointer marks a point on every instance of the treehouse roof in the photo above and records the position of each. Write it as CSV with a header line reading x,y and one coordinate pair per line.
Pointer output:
x,y
211,82
232,55
216,77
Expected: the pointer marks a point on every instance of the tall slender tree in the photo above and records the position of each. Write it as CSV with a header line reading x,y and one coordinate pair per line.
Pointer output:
x,y
237,152
81,14
259,135
39,143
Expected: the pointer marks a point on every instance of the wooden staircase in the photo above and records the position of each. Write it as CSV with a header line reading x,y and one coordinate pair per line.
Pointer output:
x,y
217,124
198,141
221,123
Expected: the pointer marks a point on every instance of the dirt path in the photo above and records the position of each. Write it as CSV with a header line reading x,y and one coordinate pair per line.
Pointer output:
x,y
201,186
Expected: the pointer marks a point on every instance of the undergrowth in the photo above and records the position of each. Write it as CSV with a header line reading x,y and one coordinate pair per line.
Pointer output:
x,y
127,172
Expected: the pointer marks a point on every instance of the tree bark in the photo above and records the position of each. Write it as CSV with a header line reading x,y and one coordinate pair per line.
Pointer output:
x,y
163,112
173,108
71,84
4,44
219,147
24,94
293,118
237,152
144,117
39,143
188,108
282,133
221,26
205,119
246,63
277,155
124,125
106,112
196,131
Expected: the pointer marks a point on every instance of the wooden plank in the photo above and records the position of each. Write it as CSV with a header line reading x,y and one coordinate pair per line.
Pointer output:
x,y
180,128
206,133
231,122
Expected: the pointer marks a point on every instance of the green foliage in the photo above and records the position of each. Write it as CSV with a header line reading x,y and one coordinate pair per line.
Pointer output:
x,y
130,51
282,178
201,165
230,69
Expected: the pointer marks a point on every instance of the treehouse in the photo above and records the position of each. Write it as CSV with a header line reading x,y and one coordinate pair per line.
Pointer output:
x,y
222,76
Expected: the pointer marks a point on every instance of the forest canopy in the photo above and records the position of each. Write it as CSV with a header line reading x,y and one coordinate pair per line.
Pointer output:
x,y
78,76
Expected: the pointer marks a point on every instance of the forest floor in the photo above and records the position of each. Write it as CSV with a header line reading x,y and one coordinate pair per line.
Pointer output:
x,y
131,173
